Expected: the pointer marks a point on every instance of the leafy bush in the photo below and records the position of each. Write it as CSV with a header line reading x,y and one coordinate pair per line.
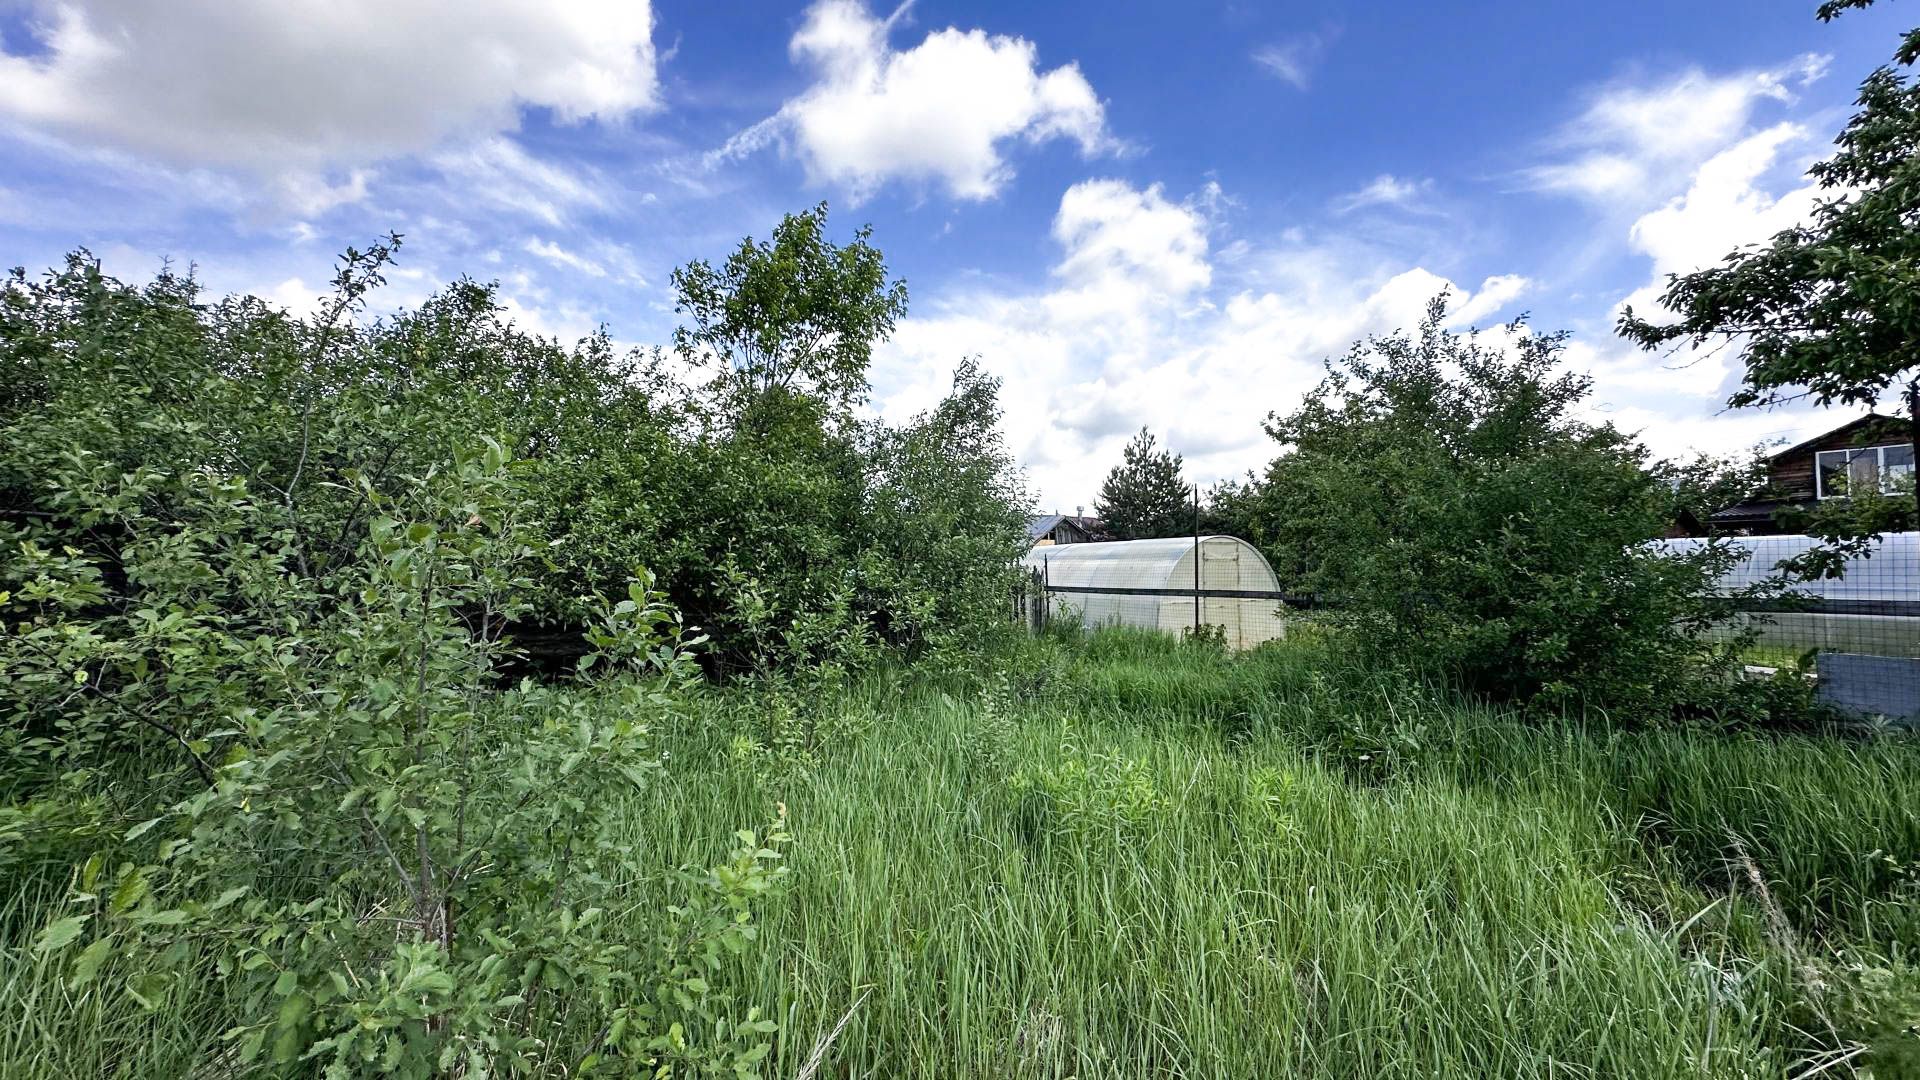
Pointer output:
x,y
392,861
794,532
267,590
1441,493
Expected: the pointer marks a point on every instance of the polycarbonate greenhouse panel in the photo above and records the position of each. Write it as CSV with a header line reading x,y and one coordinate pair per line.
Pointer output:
x,y
1150,584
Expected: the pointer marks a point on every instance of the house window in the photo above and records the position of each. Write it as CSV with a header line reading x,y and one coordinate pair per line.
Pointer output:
x,y
1837,472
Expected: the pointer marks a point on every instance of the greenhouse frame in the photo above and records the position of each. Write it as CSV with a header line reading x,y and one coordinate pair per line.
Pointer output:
x,y
1153,584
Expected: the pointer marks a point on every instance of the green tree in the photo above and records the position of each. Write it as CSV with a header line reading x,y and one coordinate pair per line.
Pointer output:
x,y
1237,507
797,312
1704,483
943,528
1826,310
1444,498
1146,495
797,534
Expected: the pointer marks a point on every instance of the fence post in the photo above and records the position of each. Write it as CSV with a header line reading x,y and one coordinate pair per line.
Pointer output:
x,y
1196,560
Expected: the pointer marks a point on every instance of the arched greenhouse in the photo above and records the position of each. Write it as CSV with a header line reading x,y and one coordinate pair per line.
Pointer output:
x,y
1151,584
1872,608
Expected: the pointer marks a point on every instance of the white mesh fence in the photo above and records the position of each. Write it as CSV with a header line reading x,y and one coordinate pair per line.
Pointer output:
x,y
1859,633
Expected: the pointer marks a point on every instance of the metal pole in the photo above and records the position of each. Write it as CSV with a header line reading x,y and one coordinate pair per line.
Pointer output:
x,y
1046,590
1196,560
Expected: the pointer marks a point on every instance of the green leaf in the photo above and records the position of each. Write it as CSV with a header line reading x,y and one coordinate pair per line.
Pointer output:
x,y
146,989
293,1011
144,827
169,917
249,1046
87,964
61,932
132,889
286,1046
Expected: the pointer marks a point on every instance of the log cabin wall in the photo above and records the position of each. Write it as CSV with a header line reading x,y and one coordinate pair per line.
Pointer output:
x,y
1791,474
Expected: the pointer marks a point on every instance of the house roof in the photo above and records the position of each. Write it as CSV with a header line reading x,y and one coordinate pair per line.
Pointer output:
x,y
1039,525
1755,511
1807,444
1095,528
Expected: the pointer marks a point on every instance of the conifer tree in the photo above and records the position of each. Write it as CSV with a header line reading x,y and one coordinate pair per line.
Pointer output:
x,y
1146,496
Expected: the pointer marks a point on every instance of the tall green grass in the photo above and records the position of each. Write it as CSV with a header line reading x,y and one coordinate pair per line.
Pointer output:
x,y
1129,857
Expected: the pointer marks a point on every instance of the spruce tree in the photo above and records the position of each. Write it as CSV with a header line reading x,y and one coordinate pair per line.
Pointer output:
x,y
1146,496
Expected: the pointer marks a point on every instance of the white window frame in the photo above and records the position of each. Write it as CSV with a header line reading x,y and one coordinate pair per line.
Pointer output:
x,y
1879,466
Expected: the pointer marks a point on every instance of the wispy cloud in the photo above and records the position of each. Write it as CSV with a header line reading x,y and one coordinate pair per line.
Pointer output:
x,y
499,172
554,253
1641,139
1387,190
1294,59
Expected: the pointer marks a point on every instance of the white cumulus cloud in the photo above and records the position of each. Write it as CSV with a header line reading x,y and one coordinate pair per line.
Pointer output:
x,y
1137,325
1121,239
1676,398
940,112
295,89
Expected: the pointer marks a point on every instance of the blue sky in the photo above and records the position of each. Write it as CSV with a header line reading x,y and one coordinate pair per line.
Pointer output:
x,y
1166,216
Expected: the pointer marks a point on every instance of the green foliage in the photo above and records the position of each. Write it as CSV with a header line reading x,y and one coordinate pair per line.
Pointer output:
x,y
1440,494
393,862
1145,496
798,535
791,531
271,752
1210,637
1848,528
1535,892
796,313
1283,911
1238,508
945,527
1824,307
1707,482
1082,798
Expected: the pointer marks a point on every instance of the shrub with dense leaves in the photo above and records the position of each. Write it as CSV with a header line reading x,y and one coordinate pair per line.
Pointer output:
x,y
325,793
267,585
1444,497
791,530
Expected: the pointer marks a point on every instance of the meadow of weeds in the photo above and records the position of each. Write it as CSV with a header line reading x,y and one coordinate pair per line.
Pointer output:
x,y
1129,856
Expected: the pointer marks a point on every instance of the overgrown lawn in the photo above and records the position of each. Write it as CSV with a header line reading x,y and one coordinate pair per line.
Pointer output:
x,y
1131,857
